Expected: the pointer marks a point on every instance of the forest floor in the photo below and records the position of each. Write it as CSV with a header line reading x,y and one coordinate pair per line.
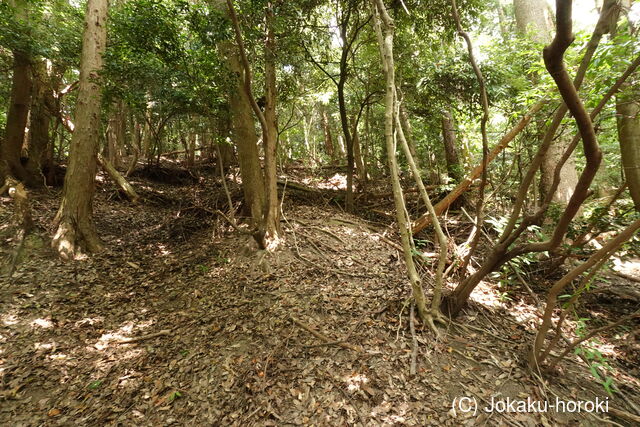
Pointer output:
x,y
180,322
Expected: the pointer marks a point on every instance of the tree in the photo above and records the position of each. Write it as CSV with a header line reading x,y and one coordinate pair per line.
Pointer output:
x,y
628,126
75,228
533,19
267,234
11,149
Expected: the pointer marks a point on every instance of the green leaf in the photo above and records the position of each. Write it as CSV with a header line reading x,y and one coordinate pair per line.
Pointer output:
x,y
93,385
173,396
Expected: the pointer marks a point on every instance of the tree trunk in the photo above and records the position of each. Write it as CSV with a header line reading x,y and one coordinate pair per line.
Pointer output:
x,y
385,41
76,230
454,168
119,180
16,119
628,123
246,140
357,154
270,134
328,141
39,121
422,222
628,115
533,19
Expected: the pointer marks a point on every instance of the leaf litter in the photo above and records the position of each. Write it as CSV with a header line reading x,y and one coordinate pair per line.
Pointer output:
x,y
175,323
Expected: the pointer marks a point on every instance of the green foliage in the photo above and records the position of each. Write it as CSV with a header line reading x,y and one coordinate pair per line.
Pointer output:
x,y
597,362
163,53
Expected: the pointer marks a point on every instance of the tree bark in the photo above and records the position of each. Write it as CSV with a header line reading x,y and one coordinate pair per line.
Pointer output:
x,y
385,41
454,168
628,120
270,133
75,228
357,153
16,119
245,137
628,124
328,140
39,121
119,179
533,19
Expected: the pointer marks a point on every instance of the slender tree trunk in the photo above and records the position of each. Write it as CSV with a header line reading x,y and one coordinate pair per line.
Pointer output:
x,y
408,133
357,154
385,40
76,230
328,140
136,146
270,134
454,168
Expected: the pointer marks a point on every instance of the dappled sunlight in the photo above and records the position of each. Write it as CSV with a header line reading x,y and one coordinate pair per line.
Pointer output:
x,y
630,267
9,319
356,381
336,182
163,249
42,323
124,332
485,295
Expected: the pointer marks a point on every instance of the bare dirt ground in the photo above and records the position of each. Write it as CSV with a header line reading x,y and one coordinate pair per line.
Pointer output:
x,y
180,322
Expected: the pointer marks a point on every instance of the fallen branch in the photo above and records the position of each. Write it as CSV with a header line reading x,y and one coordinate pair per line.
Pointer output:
x,y
144,337
424,221
324,337
119,179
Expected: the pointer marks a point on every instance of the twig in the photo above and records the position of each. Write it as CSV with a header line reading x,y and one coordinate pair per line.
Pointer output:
x,y
144,337
324,337
593,333
414,348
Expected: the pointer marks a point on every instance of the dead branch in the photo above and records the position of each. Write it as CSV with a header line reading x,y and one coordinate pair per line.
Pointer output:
x,y
144,337
119,179
424,221
324,337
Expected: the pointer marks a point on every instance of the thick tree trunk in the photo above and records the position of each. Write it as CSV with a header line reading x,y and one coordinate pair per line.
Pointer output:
x,y
16,119
628,120
76,231
628,123
244,131
39,121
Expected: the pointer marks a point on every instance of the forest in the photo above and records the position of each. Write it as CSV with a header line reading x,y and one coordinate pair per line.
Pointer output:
x,y
319,212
